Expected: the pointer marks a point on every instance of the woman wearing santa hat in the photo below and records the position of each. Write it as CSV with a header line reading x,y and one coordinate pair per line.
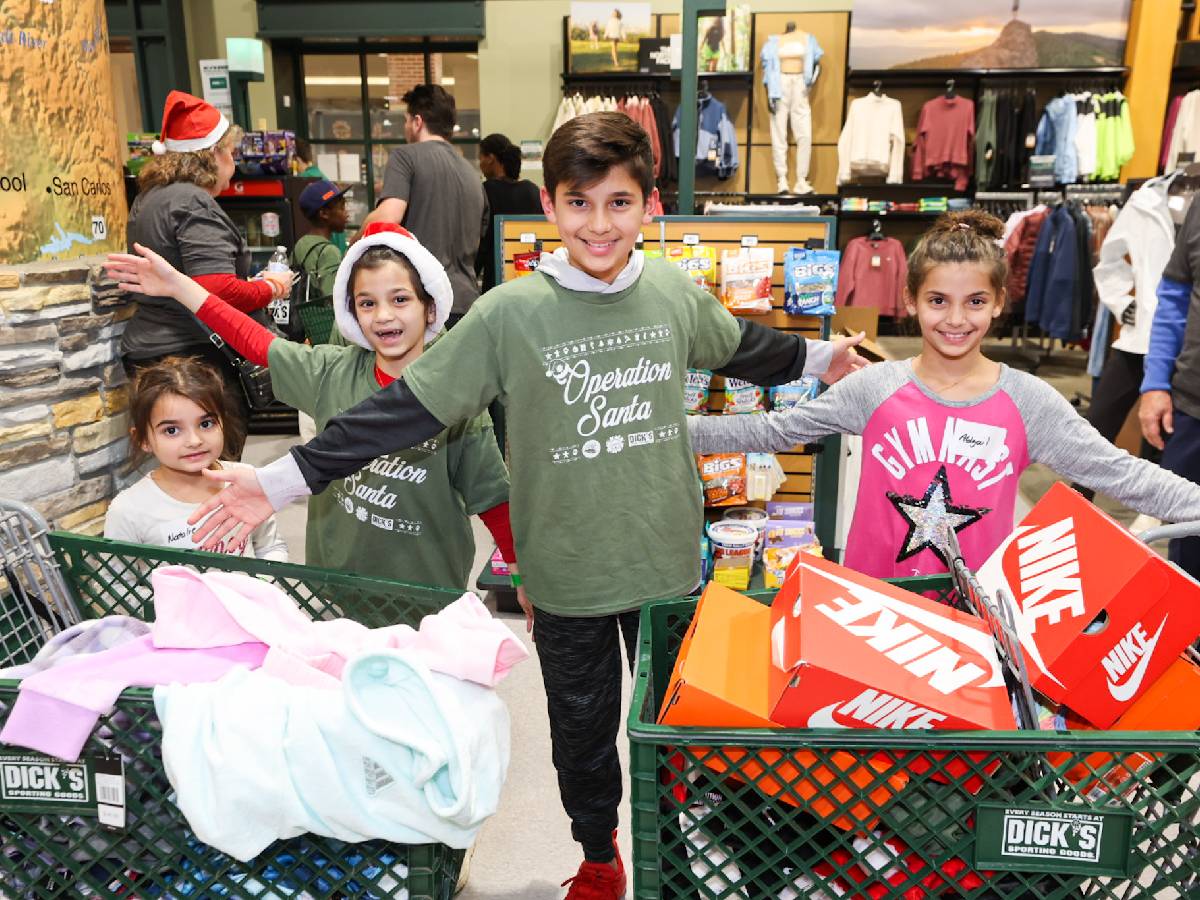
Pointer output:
x,y
177,215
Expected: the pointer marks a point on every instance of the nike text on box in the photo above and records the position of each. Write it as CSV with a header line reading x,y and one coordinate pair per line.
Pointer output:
x,y
850,651
1100,615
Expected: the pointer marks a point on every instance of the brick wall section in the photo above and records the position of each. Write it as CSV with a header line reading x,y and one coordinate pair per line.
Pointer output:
x,y
406,70
64,399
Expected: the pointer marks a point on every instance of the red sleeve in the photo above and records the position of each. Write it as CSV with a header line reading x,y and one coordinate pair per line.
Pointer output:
x,y
237,329
497,522
244,295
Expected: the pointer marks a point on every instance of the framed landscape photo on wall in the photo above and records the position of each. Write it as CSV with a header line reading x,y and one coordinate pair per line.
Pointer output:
x,y
603,37
988,34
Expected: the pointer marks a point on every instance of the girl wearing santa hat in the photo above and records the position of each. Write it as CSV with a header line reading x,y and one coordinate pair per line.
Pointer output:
x,y
176,214
406,515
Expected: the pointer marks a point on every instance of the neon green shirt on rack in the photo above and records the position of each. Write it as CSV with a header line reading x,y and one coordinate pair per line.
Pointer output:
x,y
606,501
404,516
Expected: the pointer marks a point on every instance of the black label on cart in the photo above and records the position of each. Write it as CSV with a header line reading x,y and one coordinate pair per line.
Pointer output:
x,y
93,786
1067,838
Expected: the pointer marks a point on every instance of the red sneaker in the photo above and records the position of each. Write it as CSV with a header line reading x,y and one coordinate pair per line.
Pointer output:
x,y
598,881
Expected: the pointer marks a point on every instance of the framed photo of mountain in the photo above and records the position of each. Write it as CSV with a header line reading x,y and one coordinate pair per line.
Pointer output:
x,y
988,34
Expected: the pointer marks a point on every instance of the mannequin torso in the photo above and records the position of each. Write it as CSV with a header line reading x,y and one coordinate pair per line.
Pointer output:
x,y
792,47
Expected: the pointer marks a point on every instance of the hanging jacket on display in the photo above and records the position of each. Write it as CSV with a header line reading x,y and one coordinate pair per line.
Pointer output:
x,y
1114,136
1019,248
872,274
1053,272
944,144
1056,136
1132,260
716,139
985,138
772,75
872,140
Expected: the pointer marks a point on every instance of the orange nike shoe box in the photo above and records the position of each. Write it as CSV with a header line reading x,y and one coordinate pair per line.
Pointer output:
x,y
1100,615
720,681
720,677
850,651
1172,703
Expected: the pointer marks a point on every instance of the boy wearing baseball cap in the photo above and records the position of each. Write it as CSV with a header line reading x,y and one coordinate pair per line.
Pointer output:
x,y
324,205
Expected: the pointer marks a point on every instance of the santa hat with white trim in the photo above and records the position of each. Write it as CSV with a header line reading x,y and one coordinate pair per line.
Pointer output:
x,y
189,124
431,272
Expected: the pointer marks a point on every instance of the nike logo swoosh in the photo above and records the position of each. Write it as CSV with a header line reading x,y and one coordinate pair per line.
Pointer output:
x,y
1123,692
823,718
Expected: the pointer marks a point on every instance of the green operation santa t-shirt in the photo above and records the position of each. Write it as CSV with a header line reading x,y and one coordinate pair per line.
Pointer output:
x,y
405,515
606,501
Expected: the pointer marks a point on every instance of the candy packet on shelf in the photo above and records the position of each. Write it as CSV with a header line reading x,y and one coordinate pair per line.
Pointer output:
x,y
810,281
746,279
743,397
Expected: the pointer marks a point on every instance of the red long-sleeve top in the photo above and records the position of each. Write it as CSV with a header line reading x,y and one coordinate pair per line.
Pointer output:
x,y
246,296
253,342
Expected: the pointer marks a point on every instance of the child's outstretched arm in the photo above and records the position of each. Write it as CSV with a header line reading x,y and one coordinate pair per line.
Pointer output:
x,y
1066,442
767,357
843,409
150,274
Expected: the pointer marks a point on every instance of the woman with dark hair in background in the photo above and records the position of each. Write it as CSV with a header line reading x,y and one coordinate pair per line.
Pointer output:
x,y
507,195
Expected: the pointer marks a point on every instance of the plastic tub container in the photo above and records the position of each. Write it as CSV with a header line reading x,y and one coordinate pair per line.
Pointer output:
x,y
733,545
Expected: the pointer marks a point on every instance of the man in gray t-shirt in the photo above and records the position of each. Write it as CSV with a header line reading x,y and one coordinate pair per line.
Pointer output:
x,y
436,194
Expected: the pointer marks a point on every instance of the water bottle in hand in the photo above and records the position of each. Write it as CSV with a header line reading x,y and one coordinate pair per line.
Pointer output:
x,y
279,307
279,261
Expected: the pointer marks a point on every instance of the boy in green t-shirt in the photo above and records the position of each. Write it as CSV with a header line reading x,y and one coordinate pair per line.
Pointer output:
x,y
324,205
589,358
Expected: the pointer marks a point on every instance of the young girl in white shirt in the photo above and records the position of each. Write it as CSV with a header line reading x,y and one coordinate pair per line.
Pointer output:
x,y
181,416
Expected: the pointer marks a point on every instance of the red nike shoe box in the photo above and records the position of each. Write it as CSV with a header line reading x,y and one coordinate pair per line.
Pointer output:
x,y
1100,615
850,651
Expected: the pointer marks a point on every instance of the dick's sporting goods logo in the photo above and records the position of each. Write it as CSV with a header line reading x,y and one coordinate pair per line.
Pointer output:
x,y
1052,834
1130,657
875,709
1048,568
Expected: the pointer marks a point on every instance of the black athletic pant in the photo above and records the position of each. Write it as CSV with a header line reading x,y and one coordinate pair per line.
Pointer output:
x,y
1182,456
1113,397
581,669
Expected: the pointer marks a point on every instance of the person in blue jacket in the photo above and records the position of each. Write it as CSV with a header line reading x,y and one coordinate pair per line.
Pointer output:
x,y
1169,411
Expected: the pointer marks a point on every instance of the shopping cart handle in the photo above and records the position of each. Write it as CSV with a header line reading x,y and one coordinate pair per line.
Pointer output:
x,y
1169,532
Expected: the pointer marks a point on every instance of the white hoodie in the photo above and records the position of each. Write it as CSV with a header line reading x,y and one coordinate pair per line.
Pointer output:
x,y
1132,260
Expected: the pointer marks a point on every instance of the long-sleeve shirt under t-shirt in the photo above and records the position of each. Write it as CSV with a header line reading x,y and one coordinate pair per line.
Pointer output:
x,y
930,464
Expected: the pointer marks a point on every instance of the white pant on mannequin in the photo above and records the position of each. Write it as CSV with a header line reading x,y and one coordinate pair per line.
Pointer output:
x,y
792,107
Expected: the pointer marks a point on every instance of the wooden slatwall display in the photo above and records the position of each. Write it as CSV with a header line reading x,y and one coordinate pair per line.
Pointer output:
x,y
806,478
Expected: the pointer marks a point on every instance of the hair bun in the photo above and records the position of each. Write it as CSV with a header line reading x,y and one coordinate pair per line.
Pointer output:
x,y
977,221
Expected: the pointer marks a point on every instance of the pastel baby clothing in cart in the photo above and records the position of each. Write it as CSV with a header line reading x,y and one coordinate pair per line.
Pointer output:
x,y
399,753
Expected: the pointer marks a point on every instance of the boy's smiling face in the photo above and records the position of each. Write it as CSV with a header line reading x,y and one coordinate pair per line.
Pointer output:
x,y
599,224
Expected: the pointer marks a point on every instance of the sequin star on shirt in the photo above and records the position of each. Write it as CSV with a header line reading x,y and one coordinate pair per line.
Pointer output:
x,y
931,517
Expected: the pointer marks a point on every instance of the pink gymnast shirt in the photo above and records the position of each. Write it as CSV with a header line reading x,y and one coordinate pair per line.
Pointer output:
x,y
928,465
931,464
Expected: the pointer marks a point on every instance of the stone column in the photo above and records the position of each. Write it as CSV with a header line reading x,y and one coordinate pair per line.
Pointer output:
x,y
63,395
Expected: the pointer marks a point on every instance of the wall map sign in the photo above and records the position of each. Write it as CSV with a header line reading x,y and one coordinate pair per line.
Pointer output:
x,y
61,189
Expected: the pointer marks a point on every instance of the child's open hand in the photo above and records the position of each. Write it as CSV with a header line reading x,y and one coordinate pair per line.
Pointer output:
x,y
845,360
148,273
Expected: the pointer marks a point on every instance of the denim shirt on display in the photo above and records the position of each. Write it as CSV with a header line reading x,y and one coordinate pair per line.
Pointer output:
x,y
772,75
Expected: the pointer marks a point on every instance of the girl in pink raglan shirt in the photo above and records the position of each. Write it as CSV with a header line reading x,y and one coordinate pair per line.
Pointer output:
x,y
947,434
